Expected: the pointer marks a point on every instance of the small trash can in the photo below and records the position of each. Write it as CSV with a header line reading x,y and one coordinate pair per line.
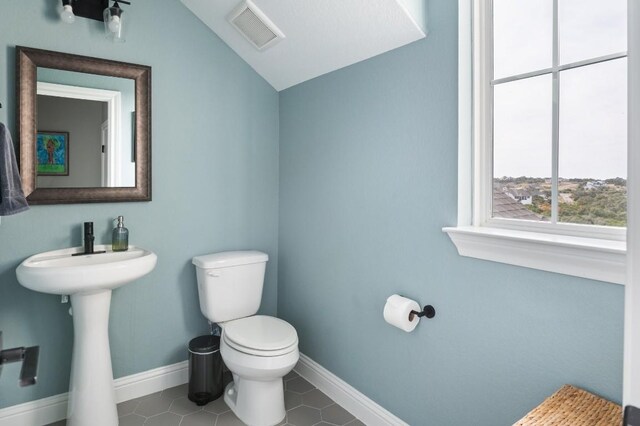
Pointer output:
x,y
205,369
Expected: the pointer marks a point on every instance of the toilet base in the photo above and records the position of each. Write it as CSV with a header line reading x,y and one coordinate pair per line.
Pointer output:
x,y
256,403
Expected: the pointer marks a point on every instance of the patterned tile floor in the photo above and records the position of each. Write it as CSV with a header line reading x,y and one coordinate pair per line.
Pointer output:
x,y
306,406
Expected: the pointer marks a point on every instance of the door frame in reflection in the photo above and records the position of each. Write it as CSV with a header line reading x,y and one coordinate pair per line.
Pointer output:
x,y
113,173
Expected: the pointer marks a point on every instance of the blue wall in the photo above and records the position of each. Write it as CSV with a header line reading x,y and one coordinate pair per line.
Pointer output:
x,y
367,180
368,177
215,187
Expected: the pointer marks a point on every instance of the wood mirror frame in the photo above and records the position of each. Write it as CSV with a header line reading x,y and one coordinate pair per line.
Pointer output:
x,y
27,62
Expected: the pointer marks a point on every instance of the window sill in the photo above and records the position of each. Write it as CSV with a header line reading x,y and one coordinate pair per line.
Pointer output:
x,y
592,258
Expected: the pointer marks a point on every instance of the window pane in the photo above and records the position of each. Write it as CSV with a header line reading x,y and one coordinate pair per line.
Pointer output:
x,y
588,29
522,149
522,36
593,144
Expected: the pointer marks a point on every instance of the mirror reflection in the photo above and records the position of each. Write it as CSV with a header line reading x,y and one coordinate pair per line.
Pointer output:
x,y
85,130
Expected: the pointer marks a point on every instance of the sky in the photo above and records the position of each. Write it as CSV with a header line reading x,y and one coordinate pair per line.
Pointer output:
x,y
593,99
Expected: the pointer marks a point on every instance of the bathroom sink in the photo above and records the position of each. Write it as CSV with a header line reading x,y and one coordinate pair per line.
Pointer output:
x,y
89,279
58,272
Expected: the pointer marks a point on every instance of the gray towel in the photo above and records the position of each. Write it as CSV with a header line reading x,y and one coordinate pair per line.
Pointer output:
x,y
12,198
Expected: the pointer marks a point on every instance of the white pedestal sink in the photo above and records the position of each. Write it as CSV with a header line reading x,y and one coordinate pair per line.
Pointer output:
x,y
89,279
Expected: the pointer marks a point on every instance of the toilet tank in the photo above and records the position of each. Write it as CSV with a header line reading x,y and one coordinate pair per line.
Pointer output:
x,y
230,284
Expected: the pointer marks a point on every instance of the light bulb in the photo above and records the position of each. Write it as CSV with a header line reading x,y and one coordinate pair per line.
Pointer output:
x,y
67,14
114,24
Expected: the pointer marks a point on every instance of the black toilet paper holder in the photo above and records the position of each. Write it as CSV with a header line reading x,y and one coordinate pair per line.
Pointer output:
x,y
428,311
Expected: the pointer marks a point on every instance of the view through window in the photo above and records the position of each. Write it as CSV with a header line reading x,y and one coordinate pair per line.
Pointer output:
x,y
560,111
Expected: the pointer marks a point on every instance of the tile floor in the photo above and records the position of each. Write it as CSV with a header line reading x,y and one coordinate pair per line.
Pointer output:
x,y
306,406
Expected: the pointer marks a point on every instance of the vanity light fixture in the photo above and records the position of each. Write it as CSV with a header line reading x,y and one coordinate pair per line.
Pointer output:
x,y
113,21
98,10
66,14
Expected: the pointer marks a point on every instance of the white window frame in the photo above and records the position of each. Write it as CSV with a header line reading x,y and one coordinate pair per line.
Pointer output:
x,y
587,251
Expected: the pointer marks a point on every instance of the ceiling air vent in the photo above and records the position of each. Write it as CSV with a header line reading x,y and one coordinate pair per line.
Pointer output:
x,y
255,26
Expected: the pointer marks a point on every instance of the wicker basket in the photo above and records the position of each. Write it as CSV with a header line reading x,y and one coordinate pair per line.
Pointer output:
x,y
571,406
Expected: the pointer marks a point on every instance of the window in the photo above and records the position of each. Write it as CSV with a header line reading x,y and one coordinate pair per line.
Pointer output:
x,y
543,153
558,98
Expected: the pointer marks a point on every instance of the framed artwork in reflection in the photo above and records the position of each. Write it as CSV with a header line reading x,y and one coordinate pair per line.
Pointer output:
x,y
52,151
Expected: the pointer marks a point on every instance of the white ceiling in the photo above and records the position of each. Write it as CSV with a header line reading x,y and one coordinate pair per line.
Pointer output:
x,y
321,35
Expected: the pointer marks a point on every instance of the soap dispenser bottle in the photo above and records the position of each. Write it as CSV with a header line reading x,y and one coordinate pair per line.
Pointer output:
x,y
120,241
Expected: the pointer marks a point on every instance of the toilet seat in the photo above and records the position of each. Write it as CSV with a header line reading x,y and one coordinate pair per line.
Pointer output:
x,y
260,335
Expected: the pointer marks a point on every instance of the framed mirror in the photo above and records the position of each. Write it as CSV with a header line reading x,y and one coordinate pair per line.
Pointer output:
x,y
84,126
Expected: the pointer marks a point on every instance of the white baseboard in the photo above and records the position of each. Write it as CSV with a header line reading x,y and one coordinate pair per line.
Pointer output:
x,y
352,400
48,410
54,408
147,382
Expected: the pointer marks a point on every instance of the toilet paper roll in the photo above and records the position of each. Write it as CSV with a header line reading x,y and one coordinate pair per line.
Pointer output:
x,y
397,310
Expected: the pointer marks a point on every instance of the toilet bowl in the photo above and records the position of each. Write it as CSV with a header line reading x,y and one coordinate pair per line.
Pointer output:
x,y
259,350
256,394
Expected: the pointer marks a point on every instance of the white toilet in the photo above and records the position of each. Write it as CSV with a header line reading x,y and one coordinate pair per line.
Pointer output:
x,y
259,350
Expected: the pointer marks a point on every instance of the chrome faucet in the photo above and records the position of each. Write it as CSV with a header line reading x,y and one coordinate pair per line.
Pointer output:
x,y
29,359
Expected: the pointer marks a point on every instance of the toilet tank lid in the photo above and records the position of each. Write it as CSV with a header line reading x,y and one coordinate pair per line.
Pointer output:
x,y
230,258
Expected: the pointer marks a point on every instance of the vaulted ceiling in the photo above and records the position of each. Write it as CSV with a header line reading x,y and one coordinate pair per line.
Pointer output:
x,y
320,36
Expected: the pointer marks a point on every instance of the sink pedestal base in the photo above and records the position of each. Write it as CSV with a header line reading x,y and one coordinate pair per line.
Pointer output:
x,y
91,394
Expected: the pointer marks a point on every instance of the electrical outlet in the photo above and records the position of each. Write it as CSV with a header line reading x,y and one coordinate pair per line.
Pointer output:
x,y
64,298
